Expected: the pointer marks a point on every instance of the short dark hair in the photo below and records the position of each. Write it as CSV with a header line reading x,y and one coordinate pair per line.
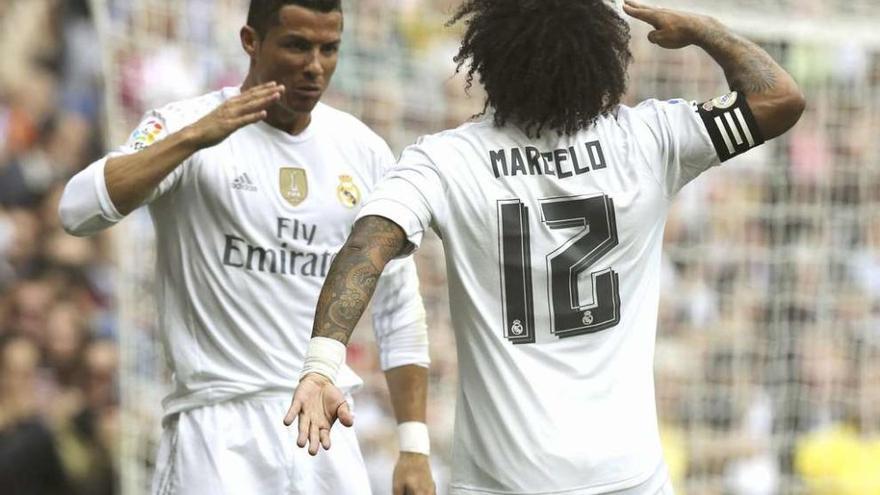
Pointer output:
x,y
545,64
263,14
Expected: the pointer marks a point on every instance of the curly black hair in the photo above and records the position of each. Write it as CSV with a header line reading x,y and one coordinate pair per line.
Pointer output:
x,y
545,64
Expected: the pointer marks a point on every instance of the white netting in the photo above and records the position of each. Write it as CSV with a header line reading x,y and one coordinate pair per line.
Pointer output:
x,y
767,349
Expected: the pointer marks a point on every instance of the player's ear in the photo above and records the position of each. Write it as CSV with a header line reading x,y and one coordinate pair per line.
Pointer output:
x,y
250,40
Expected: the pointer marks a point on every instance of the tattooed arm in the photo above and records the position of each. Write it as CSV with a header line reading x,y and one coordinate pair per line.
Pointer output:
x,y
354,273
774,97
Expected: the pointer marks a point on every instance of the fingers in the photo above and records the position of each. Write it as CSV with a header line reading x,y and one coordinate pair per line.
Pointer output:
x,y
324,437
642,12
260,99
261,87
413,487
255,99
314,438
402,487
303,426
253,102
245,109
261,90
412,475
344,414
310,408
633,4
293,411
250,118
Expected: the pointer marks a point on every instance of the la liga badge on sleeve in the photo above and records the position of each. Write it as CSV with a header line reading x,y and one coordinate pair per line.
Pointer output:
x,y
294,185
721,103
147,134
347,192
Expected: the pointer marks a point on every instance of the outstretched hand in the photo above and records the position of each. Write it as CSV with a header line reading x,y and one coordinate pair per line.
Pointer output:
x,y
317,404
672,28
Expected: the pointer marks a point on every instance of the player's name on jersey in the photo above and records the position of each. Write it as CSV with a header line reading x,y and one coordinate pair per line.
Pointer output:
x,y
238,253
561,163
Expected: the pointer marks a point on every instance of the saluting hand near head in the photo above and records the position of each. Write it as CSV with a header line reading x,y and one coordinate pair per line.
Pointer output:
x,y
672,28
773,96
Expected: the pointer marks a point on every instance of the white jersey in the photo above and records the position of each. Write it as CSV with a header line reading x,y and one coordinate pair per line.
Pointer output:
x,y
553,252
245,232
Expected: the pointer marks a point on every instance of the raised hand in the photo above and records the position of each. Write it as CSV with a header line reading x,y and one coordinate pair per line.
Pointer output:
x,y
772,94
672,28
317,404
412,475
247,108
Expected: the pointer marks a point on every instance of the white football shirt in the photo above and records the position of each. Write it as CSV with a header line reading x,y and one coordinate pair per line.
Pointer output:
x,y
553,252
245,232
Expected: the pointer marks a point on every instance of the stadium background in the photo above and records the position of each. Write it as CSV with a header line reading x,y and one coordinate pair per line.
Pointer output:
x,y
768,356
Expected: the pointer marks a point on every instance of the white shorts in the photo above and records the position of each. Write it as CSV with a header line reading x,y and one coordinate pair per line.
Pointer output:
x,y
242,447
658,483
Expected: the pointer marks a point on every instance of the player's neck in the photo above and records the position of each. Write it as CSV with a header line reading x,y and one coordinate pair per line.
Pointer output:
x,y
291,123
281,118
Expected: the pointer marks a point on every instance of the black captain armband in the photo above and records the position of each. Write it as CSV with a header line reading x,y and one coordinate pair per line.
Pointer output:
x,y
731,125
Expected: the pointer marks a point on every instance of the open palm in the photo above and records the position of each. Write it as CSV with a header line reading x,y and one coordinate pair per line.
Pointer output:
x,y
317,404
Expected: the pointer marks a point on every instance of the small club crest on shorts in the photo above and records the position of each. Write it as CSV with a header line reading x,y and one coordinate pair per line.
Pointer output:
x,y
293,184
347,192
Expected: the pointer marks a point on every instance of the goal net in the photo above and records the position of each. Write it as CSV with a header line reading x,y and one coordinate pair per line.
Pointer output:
x,y
767,361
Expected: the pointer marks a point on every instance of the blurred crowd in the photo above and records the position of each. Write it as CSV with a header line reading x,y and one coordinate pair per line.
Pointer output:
x,y
768,354
58,357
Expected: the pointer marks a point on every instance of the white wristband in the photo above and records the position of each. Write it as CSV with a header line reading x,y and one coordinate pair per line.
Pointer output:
x,y
413,437
324,357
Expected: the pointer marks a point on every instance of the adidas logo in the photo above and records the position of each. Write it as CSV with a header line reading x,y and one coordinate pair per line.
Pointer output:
x,y
244,183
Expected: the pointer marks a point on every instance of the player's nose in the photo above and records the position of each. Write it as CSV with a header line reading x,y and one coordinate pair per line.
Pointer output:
x,y
314,68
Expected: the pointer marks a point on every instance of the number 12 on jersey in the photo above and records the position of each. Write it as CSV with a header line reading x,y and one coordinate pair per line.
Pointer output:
x,y
596,236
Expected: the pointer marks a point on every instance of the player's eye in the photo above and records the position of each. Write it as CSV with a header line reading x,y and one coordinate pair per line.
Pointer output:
x,y
330,49
298,45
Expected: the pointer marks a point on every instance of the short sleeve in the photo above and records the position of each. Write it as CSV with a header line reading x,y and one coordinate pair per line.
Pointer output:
x,y
399,317
411,194
674,141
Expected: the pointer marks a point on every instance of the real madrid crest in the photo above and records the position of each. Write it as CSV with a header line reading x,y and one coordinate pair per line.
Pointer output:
x,y
588,318
347,192
294,185
517,328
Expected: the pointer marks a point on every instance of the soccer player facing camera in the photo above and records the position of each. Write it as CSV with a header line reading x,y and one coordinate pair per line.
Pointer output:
x,y
551,210
252,191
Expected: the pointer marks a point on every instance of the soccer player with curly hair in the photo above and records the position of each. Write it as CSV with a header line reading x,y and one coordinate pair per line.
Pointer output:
x,y
551,208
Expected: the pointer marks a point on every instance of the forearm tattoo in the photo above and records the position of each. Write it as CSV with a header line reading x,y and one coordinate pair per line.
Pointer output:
x,y
353,276
748,68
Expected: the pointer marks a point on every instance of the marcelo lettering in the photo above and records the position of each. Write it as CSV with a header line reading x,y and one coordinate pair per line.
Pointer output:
x,y
562,163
